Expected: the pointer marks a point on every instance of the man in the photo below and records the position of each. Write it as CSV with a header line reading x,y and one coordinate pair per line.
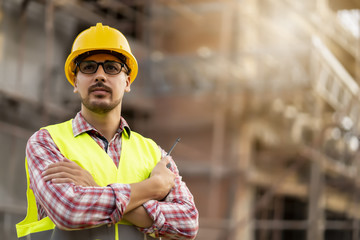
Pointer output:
x,y
92,177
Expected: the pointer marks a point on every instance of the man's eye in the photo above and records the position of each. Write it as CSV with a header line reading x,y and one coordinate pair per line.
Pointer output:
x,y
88,67
112,67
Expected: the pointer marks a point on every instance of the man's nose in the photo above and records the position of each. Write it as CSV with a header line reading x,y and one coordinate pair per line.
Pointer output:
x,y
100,74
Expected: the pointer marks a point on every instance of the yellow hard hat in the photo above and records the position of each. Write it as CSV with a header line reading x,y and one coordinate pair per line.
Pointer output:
x,y
96,38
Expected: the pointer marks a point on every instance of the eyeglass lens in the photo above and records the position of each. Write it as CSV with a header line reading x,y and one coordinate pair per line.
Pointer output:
x,y
110,67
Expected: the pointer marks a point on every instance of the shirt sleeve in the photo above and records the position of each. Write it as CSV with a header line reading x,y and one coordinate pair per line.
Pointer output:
x,y
176,217
70,206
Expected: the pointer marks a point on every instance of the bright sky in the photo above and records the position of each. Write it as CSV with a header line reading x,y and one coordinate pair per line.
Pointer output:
x,y
350,19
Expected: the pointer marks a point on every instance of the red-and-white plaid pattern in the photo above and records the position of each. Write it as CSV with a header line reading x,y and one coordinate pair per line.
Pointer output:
x,y
76,207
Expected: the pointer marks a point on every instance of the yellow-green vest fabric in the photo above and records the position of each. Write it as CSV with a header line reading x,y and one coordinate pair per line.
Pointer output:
x,y
139,156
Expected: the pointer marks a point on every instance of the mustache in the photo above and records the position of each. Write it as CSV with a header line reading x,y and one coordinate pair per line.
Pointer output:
x,y
99,85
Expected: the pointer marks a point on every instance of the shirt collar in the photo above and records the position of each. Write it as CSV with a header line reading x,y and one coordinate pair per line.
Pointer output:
x,y
80,125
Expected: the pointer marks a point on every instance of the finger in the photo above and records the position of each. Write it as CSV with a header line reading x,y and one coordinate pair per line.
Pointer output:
x,y
58,169
66,178
53,171
59,175
63,164
61,180
166,159
168,165
52,176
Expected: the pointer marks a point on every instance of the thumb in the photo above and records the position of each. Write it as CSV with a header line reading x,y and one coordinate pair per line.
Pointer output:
x,y
67,160
167,161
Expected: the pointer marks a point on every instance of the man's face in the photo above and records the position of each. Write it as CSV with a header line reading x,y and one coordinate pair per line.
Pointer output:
x,y
101,92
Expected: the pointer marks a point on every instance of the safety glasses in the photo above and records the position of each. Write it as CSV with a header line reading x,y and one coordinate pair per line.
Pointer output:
x,y
110,67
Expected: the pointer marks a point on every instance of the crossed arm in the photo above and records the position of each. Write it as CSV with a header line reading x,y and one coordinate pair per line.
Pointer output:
x,y
156,187
74,201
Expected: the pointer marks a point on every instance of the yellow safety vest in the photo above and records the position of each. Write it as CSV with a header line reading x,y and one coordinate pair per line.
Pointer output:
x,y
139,156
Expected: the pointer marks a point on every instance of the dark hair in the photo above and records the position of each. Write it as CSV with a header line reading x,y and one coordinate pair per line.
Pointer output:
x,y
120,56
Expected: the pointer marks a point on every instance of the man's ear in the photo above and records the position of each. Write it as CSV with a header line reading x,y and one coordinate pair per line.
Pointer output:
x,y
128,80
75,85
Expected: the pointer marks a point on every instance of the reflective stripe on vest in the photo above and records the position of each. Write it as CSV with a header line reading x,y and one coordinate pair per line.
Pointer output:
x,y
125,232
139,156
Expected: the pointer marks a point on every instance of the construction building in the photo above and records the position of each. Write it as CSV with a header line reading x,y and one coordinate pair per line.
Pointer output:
x,y
263,93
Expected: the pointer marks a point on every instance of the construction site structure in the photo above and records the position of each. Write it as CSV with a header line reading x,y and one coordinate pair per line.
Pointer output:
x,y
263,93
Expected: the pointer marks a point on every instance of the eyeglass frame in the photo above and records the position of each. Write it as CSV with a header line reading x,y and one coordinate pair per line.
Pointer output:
x,y
123,66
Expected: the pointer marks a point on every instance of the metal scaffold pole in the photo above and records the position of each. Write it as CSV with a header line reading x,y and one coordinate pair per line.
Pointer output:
x,y
219,120
49,56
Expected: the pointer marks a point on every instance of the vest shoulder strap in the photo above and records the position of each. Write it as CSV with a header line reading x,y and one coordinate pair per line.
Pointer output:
x,y
84,151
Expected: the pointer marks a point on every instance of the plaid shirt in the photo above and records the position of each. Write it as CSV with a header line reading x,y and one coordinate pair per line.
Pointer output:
x,y
76,207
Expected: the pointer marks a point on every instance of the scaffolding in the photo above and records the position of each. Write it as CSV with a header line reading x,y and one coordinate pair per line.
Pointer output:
x,y
263,93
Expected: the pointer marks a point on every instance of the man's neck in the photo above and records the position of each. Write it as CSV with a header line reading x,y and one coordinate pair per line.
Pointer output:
x,y
107,124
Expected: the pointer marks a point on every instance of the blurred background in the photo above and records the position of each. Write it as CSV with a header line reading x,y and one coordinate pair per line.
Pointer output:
x,y
263,93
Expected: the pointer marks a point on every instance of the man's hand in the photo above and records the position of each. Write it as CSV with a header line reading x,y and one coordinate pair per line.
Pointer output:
x,y
165,178
69,172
